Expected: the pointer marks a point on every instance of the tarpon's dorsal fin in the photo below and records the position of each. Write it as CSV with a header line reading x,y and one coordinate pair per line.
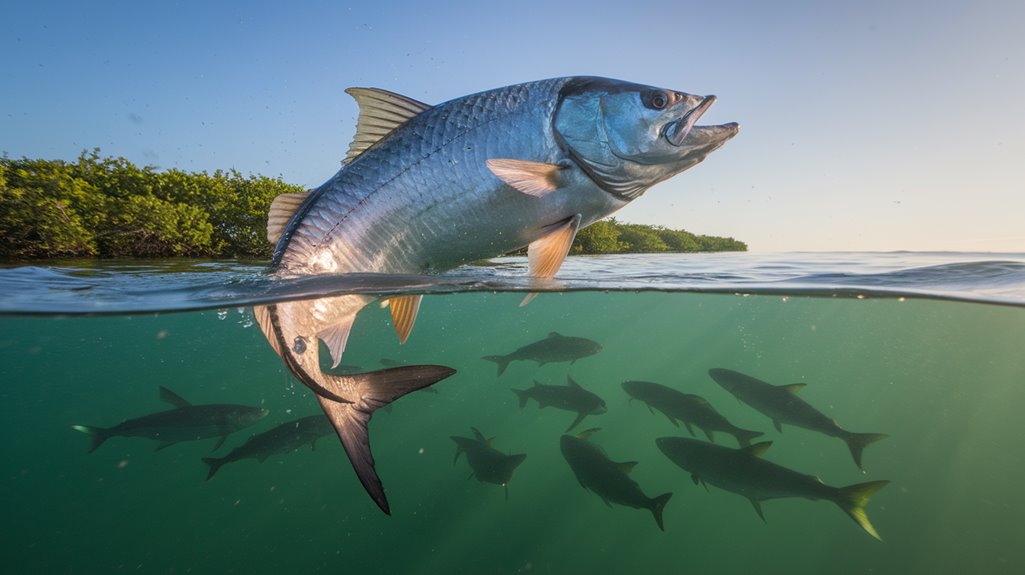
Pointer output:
x,y
372,391
281,211
403,314
335,337
536,179
571,382
587,433
380,113
757,449
626,466
168,396
480,436
794,387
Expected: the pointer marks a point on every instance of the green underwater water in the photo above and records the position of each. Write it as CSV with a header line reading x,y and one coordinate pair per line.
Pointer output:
x,y
945,380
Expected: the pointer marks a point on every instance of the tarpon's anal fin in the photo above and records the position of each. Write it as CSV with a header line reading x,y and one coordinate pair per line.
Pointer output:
x,y
794,387
536,179
758,507
626,466
403,314
380,113
335,338
372,391
168,396
281,211
758,449
580,417
546,254
220,442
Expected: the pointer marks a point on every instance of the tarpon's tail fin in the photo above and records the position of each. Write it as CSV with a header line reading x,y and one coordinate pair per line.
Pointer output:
x,y
857,442
97,435
368,393
501,360
523,395
215,463
745,436
657,505
852,499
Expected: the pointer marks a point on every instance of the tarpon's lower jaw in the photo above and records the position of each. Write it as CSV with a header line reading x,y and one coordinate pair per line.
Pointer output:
x,y
677,132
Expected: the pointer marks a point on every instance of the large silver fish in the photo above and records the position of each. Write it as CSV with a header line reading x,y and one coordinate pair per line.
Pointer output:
x,y
427,188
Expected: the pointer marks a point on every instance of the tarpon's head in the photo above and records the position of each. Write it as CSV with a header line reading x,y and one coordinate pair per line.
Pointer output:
x,y
690,454
629,137
246,416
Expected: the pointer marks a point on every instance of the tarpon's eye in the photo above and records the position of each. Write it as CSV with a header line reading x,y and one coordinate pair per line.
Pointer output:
x,y
658,101
655,100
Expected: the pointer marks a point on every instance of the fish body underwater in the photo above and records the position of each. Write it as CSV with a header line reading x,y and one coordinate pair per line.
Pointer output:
x,y
782,404
186,422
686,407
569,397
608,480
285,438
426,188
744,472
553,349
489,465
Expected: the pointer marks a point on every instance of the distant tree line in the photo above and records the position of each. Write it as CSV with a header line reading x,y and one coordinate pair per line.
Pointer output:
x,y
109,207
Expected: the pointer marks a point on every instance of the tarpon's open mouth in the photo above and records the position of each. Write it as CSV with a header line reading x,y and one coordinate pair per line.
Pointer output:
x,y
678,131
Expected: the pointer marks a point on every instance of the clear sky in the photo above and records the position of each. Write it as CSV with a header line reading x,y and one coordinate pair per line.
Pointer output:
x,y
870,125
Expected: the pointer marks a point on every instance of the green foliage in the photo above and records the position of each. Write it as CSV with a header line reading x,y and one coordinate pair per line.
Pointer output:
x,y
601,237
611,237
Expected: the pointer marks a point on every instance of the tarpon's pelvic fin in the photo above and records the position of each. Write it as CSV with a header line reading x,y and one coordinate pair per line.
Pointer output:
x,y
626,466
336,336
380,112
536,179
281,211
758,507
580,417
586,434
794,387
546,254
403,314
168,396
758,449
372,391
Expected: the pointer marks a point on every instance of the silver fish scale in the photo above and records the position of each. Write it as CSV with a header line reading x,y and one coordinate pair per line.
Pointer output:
x,y
422,199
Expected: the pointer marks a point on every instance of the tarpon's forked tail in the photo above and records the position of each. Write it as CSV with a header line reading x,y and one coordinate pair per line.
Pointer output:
x,y
501,360
657,505
368,393
857,442
853,498
97,435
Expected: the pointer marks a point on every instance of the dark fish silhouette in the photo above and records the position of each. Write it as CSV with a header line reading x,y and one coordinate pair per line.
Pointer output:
x,y
570,397
285,438
489,465
689,408
186,422
555,348
606,478
782,405
744,472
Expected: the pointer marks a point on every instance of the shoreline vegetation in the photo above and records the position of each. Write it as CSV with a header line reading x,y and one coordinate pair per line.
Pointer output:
x,y
108,207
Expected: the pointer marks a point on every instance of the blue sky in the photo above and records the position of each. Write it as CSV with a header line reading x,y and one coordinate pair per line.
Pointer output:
x,y
864,125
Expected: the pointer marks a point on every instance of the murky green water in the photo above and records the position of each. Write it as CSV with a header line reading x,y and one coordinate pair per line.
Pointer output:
x,y
945,380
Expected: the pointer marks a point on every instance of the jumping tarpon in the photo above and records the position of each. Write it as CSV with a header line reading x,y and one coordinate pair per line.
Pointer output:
x,y
782,405
686,407
426,188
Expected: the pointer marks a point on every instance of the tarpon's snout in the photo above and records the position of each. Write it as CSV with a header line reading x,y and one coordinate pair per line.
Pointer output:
x,y
677,132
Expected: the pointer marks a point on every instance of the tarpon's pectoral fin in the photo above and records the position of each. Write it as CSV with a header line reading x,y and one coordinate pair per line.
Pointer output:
x,y
220,442
168,396
626,466
281,211
777,425
536,179
372,391
336,336
758,507
546,254
758,449
580,417
403,314
380,113
794,387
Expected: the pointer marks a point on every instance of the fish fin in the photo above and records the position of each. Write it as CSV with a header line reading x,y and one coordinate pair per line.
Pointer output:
x,y
587,433
606,501
758,449
708,434
536,179
546,254
694,477
744,436
626,466
853,498
758,507
857,442
794,387
372,391
523,395
480,436
97,435
403,314
690,429
281,211
777,425
657,505
215,463
529,298
501,360
552,334
220,442
580,417
571,382
168,396
164,445
380,112
336,336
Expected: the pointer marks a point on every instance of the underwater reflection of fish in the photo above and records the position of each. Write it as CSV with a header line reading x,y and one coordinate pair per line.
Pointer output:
x,y
186,422
607,479
284,438
782,405
555,348
744,472
489,465
570,397
686,407
427,188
